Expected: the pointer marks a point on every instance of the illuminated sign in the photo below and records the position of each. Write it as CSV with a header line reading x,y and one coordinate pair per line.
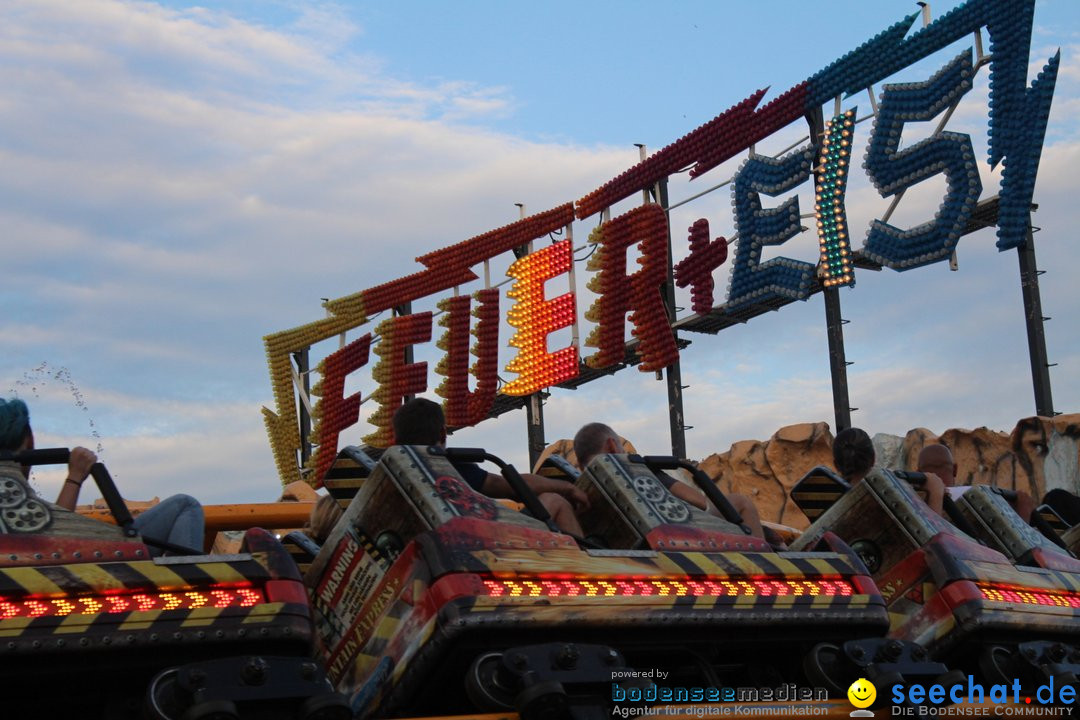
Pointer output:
x,y
766,215
535,318
829,209
465,407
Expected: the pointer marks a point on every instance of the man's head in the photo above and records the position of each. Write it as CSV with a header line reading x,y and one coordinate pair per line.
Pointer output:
x,y
420,422
938,459
853,453
15,433
595,439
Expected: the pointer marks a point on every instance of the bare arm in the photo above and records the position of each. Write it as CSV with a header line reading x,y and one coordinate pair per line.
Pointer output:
x,y
935,493
79,465
496,486
689,494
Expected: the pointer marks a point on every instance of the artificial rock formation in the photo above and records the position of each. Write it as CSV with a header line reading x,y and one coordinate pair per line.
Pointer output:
x,y
1037,455
766,471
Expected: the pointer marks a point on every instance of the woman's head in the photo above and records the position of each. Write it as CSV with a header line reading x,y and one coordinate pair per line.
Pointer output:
x,y
324,516
853,454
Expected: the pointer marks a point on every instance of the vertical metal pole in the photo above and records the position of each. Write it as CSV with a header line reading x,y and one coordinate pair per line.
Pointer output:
x,y
534,416
410,355
676,419
834,323
303,363
1040,366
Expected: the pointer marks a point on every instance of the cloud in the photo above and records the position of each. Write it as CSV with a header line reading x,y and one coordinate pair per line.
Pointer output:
x,y
179,183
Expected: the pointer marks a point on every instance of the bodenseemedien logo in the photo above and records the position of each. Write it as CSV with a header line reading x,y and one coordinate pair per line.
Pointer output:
x,y
862,694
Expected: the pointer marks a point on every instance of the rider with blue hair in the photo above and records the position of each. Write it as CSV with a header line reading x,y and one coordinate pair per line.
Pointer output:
x,y
177,520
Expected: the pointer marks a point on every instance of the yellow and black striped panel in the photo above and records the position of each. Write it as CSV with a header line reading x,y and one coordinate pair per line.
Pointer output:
x,y
83,578
1052,519
818,490
80,626
301,548
343,489
351,467
1071,538
729,565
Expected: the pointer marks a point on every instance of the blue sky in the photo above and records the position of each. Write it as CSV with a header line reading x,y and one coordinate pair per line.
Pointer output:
x,y
179,179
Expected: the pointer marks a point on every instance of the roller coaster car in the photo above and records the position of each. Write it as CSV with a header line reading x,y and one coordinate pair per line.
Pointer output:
x,y
92,626
1009,608
432,598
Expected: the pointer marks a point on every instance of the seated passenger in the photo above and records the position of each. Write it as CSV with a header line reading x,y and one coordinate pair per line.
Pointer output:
x,y
853,455
938,460
176,520
324,516
597,438
422,422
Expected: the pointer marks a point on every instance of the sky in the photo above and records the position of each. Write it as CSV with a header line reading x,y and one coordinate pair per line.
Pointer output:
x,y
180,179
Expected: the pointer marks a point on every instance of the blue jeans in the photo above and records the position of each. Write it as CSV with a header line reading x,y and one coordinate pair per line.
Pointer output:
x,y
177,520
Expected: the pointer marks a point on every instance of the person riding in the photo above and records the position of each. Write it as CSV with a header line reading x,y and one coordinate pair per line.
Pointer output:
x,y
324,516
422,422
597,438
937,459
177,520
854,457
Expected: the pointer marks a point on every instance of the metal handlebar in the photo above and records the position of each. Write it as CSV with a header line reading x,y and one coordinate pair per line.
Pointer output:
x,y
509,473
703,481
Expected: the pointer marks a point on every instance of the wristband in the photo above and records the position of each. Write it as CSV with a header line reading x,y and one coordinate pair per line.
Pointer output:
x,y
69,480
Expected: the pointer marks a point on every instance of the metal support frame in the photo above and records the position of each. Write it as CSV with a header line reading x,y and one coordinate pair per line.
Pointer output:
x,y
534,404
1036,334
302,358
676,418
834,323
410,354
534,417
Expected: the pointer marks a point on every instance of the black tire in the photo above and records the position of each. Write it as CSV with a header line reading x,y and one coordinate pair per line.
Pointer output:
x,y
543,701
161,701
883,681
825,666
995,664
482,686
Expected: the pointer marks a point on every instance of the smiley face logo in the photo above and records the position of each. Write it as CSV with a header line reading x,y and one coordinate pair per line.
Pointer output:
x,y
862,693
